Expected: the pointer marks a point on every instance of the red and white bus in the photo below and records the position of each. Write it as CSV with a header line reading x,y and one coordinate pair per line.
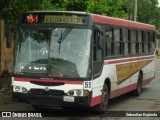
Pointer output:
x,y
75,59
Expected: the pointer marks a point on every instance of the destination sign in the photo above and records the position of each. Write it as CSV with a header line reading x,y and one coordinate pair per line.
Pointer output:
x,y
54,18
63,19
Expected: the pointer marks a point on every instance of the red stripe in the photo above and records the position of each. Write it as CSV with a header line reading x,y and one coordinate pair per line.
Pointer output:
x,y
147,81
95,100
128,60
45,80
121,22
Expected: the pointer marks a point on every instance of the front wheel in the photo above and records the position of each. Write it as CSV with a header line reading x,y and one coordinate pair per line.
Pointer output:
x,y
102,107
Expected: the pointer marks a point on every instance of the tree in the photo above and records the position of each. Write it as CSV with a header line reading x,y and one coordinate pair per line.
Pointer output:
x,y
19,6
76,5
106,7
148,11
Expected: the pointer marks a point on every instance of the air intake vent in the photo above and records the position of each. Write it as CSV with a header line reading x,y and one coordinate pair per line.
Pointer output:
x,y
47,83
49,93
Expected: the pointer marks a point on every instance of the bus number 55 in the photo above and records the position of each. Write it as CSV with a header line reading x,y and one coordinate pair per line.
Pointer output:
x,y
87,85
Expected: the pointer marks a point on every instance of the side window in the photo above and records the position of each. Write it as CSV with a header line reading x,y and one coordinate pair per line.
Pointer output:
x,y
125,32
133,42
146,43
143,42
95,45
151,42
137,43
109,43
129,42
119,42
140,41
98,46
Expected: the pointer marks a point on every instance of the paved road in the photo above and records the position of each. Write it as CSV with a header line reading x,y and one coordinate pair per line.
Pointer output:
x,y
149,100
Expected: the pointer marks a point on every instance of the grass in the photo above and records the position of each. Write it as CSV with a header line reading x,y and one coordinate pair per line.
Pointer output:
x,y
158,57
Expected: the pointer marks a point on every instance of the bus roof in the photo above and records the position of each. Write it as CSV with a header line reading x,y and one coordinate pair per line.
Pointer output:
x,y
51,11
121,22
106,20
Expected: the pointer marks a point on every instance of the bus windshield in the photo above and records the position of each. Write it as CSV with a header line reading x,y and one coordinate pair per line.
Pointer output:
x,y
57,52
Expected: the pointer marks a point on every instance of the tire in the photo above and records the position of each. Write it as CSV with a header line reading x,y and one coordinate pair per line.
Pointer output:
x,y
138,90
102,107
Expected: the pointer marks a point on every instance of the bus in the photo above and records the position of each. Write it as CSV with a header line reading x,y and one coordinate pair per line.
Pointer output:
x,y
77,59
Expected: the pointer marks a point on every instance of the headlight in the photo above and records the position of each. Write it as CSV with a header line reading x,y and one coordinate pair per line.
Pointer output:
x,y
24,90
17,88
20,89
71,92
79,92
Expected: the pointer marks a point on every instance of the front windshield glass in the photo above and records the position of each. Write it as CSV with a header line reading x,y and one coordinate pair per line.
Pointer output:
x,y
57,52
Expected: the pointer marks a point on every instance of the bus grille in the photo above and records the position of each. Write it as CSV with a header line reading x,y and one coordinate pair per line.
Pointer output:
x,y
47,93
47,83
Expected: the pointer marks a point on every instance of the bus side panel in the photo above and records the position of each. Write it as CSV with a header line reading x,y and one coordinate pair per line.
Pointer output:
x,y
148,72
108,71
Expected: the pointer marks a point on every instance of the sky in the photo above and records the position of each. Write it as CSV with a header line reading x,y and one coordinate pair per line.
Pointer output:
x,y
159,3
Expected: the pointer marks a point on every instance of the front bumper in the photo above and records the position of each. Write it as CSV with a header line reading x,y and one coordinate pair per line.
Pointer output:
x,y
51,101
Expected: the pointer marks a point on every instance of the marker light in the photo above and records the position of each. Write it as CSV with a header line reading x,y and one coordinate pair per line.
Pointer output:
x,y
85,92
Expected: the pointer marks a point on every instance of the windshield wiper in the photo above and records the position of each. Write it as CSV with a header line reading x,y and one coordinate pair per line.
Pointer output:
x,y
63,36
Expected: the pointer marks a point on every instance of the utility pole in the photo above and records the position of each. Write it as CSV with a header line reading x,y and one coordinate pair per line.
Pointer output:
x,y
135,10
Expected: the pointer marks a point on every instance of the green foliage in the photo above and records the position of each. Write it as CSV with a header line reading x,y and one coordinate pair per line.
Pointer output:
x,y
147,12
106,7
75,5
3,4
19,6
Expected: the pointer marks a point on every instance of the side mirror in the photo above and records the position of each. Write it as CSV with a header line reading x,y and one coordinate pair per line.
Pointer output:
x,y
9,36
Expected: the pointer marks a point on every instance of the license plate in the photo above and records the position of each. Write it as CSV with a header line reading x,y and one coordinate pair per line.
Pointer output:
x,y
68,99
